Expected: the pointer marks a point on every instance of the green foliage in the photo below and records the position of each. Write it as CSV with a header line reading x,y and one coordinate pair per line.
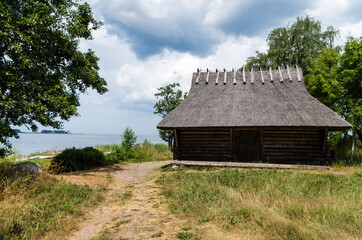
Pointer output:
x,y
298,44
42,70
156,235
145,152
335,79
273,204
31,207
169,99
129,139
184,235
74,159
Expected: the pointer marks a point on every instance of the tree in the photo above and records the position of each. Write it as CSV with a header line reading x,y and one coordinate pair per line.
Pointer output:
x,y
298,44
129,139
169,99
42,70
335,79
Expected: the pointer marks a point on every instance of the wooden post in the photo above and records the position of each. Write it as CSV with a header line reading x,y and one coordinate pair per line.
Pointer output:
x,y
244,81
198,77
252,76
217,76
225,76
234,77
280,74
261,145
271,74
207,76
176,141
325,140
262,77
298,74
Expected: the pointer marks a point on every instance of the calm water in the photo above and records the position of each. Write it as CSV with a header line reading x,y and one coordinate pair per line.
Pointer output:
x,y
31,142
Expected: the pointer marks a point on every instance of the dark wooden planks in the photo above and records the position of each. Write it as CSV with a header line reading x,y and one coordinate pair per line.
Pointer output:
x,y
249,165
206,145
291,146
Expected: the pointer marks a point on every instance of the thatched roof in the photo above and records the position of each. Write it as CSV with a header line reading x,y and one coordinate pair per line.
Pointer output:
x,y
270,98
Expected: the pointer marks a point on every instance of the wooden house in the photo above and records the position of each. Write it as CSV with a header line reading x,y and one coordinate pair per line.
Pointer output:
x,y
252,116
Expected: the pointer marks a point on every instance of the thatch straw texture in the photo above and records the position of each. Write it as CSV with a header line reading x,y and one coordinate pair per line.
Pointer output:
x,y
236,104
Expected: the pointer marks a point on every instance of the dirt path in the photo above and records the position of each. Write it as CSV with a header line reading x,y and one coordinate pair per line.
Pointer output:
x,y
134,208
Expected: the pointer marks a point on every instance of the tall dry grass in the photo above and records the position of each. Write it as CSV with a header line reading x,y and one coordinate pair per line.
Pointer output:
x,y
270,204
31,206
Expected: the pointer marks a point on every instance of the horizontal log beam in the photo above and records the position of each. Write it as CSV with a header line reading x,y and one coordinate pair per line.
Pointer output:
x,y
248,165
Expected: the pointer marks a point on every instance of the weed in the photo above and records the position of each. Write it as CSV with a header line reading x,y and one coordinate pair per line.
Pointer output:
x,y
203,219
144,152
159,234
184,235
186,228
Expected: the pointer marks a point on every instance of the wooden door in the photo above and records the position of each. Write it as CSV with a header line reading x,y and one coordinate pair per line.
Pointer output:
x,y
247,145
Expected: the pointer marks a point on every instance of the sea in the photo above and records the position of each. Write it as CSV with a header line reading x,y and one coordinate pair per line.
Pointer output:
x,y
29,143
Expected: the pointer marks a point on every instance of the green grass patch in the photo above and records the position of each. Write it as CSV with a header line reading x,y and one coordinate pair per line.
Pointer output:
x,y
145,152
156,235
277,204
33,205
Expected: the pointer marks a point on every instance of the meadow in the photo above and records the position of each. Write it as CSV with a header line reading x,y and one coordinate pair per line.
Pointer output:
x,y
269,204
35,205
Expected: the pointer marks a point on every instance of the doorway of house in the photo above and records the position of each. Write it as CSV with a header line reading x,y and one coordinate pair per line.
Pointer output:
x,y
247,145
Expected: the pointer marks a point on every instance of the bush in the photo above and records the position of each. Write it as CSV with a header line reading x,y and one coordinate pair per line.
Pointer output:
x,y
73,159
129,139
144,152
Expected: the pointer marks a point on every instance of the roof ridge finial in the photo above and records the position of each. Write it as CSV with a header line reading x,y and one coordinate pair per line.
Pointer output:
x,y
244,81
198,77
234,76
252,76
280,74
225,73
298,74
207,76
217,76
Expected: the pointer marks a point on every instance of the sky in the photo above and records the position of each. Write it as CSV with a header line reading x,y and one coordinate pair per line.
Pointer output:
x,y
146,44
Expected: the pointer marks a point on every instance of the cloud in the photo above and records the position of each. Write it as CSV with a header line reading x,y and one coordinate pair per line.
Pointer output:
x,y
138,82
151,26
250,17
354,29
193,26
146,45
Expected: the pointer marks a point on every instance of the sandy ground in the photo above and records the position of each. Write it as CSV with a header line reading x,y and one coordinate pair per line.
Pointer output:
x,y
134,207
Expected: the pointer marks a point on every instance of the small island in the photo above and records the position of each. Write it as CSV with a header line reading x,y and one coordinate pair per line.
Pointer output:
x,y
55,131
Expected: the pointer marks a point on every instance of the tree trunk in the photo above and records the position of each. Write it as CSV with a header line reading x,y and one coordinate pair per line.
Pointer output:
x,y
353,143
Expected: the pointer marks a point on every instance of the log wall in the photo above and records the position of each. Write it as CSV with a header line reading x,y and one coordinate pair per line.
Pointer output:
x,y
276,146
293,146
204,145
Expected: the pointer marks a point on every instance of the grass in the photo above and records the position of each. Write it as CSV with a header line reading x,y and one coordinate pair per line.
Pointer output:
x,y
272,204
145,152
156,235
31,206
